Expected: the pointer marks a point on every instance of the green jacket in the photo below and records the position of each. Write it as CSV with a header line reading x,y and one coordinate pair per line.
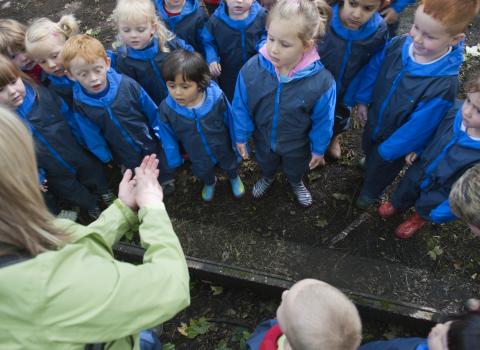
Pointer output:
x,y
80,294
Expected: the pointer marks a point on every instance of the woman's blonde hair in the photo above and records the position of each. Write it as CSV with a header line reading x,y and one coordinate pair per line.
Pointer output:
x,y
12,36
141,11
42,28
315,15
25,223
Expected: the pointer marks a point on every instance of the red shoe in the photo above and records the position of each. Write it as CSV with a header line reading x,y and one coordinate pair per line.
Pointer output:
x,y
410,226
386,210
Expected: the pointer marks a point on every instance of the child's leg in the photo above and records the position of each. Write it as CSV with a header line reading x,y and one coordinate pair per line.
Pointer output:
x,y
205,171
341,124
268,162
408,189
91,174
67,187
294,169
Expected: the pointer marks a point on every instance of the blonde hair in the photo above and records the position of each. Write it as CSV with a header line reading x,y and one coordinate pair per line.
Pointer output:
x,y
141,11
464,197
12,36
25,223
43,28
84,46
315,15
324,318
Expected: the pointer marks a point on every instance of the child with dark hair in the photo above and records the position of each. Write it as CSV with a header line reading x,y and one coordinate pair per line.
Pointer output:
x,y
198,115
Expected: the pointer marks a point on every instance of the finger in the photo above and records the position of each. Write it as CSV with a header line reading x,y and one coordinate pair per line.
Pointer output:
x,y
152,162
144,162
127,176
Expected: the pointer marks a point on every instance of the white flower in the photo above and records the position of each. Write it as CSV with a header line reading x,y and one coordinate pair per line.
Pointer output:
x,y
472,50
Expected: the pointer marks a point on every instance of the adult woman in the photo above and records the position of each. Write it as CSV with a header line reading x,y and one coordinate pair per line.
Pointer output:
x,y
60,285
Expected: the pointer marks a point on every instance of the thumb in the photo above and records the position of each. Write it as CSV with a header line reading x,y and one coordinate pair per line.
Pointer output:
x,y
127,176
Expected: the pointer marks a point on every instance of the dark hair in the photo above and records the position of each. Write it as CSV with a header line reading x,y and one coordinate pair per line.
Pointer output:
x,y
473,85
190,65
464,332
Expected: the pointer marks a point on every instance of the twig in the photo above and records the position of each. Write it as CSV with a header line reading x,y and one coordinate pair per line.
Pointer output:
x,y
365,216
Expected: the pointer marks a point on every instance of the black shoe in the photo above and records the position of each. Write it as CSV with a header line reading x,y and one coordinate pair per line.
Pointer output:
x,y
108,198
94,213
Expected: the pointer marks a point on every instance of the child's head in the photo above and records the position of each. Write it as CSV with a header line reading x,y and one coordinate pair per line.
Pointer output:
x,y
355,13
471,105
293,28
464,199
461,333
44,41
138,23
440,24
12,89
315,315
238,9
86,61
12,43
187,76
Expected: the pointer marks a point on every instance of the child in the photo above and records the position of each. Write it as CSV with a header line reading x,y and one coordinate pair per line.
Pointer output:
x,y
186,18
230,38
356,33
391,12
410,86
200,117
143,43
454,148
72,174
462,332
115,107
286,97
44,41
313,315
12,45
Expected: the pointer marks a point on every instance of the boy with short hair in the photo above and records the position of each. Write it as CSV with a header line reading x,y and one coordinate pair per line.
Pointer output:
x,y
312,315
408,88
115,108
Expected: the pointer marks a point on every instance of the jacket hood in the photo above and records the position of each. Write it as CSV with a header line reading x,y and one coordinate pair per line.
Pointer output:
x,y
365,31
114,80
189,7
222,13
28,101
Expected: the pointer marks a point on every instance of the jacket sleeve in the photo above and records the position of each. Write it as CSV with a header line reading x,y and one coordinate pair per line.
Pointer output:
x,y
417,131
242,121
322,121
228,118
94,139
169,143
210,45
442,213
183,44
399,5
369,78
100,299
69,116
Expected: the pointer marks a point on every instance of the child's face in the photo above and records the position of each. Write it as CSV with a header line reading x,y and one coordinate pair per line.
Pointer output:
x,y
284,45
175,4
92,76
437,339
430,37
238,9
355,13
471,110
21,60
185,93
12,95
136,35
47,55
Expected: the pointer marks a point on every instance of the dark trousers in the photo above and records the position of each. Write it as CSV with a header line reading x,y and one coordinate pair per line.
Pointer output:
x,y
207,174
408,189
342,119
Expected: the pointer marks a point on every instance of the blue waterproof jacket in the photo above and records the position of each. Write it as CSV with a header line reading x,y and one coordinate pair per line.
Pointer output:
x,y
407,99
287,114
345,52
188,25
397,344
204,131
400,5
126,117
232,42
62,86
145,66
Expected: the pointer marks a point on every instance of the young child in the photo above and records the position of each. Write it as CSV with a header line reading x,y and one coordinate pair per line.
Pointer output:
x,y
12,45
143,43
230,37
454,148
356,33
44,41
410,86
200,117
462,332
72,174
185,18
115,107
313,315
286,98
391,12
464,199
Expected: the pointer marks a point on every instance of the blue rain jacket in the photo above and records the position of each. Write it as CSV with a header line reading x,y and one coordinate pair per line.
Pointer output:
x,y
397,344
400,5
62,86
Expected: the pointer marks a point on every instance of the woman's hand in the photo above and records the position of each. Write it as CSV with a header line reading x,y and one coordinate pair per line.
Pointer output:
x,y
126,190
147,189
316,161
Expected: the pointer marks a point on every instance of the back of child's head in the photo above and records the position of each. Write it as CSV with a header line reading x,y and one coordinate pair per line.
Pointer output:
x,y
83,46
12,36
455,15
464,199
464,332
321,317
473,84
313,14
190,65
138,12
43,28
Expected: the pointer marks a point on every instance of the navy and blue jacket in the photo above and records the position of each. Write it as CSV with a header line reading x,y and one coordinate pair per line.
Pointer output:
x,y
125,116
188,24
232,42
277,114
204,131
145,66
407,99
397,344
345,52
400,5
62,86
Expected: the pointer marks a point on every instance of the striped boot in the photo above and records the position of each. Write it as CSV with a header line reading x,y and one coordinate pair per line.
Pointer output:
x,y
304,198
261,186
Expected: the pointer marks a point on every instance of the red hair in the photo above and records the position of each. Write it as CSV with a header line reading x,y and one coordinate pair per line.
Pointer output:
x,y
83,46
455,15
